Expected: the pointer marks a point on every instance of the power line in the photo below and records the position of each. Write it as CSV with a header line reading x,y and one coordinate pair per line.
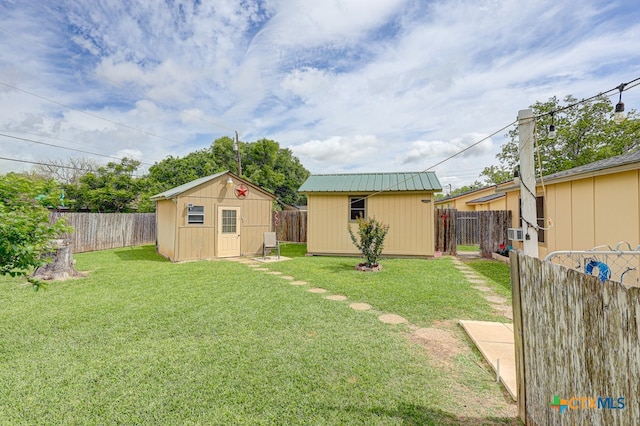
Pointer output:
x,y
64,147
44,164
17,89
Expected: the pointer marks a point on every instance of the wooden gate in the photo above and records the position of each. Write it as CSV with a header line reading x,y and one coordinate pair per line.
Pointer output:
x,y
487,229
468,228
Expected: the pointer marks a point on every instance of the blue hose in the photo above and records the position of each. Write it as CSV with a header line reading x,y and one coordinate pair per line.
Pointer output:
x,y
604,273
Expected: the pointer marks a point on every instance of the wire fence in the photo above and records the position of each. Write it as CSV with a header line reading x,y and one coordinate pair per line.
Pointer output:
x,y
620,264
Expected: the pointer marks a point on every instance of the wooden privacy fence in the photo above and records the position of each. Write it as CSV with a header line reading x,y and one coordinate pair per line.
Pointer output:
x,y
577,346
487,228
101,231
290,225
444,231
468,228
493,229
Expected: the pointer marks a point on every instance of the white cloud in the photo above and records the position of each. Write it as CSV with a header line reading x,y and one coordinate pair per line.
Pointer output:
x,y
348,85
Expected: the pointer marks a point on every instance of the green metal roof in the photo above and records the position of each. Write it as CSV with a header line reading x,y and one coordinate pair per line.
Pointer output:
x,y
370,182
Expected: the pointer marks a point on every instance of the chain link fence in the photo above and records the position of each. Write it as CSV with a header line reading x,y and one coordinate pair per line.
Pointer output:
x,y
620,264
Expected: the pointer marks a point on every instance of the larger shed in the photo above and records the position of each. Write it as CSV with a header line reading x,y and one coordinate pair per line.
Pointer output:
x,y
216,216
404,201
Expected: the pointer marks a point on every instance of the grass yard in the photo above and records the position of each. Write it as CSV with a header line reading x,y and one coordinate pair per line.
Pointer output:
x,y
143,341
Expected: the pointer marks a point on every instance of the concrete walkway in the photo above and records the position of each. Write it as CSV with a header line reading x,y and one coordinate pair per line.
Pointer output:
x,y
495,342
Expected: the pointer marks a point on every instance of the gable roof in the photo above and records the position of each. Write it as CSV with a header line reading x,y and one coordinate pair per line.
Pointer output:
x,y
464,194
370,182
485,199
630,158
174,192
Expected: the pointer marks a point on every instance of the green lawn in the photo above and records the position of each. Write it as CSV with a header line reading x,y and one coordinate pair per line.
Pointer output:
x,y
423,291
143,341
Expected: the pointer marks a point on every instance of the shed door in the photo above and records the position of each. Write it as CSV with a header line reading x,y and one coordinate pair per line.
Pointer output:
x,y
228,231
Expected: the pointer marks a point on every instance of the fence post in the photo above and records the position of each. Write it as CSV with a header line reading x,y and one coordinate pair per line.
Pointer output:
x,y
521,379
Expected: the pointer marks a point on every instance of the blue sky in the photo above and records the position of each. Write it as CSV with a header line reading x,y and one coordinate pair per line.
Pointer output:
x,y
347,85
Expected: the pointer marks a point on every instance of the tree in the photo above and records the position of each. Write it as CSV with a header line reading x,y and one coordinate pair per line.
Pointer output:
x,y
370,239
66,171
26,235
111,189
263,163
586,133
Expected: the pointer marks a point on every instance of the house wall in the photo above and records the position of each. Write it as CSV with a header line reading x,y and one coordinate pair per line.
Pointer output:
x,y
460,202
198,241
166,228
410,223
589,212
499,204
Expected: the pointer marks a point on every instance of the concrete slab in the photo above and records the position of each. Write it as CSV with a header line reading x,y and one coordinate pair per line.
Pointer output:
x,y
495,342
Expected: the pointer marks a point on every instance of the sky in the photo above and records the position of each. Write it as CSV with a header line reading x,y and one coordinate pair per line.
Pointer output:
x,y
348,85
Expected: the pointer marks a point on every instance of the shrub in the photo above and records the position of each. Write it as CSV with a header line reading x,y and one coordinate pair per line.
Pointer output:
x,y
370,240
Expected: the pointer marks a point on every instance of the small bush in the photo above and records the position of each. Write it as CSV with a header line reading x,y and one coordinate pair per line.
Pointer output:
x,y
370,240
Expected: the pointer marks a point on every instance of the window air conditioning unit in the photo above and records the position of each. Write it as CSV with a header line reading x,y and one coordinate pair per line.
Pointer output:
x,y
515,234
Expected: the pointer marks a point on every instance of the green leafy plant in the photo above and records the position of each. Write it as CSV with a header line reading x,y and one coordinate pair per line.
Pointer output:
x,y
26,234
370,239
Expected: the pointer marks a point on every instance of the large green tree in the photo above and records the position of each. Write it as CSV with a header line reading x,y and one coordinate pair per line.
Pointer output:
x,y
25,232
263,162
111,189
585,132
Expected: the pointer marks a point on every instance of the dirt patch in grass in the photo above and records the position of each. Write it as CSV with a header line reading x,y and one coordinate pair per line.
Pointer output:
x,y
441,343
452,353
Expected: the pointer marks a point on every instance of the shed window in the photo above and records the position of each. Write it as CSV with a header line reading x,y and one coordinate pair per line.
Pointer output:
x,y
357,207
195,214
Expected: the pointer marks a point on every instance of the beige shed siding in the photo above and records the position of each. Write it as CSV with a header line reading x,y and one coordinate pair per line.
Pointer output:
x,y
410,223
198,242
166,232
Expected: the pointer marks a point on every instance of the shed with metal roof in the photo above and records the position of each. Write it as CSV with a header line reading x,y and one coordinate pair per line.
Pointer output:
x,y
404,201
216,216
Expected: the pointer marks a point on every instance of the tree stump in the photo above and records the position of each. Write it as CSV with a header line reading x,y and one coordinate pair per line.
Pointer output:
x,y
61,265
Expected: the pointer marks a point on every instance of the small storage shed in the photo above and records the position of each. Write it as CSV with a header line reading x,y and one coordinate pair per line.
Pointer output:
x,y
216,216
404,201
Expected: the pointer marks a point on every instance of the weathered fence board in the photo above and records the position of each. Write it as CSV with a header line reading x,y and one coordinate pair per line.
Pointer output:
x,y
580,341
290,225
493,230
101,231
445,231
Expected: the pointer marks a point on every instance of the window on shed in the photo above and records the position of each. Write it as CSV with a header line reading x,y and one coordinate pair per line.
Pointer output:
x,y
195,214
357,207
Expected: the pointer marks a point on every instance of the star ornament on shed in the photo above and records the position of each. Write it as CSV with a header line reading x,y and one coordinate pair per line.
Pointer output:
x,y
242,192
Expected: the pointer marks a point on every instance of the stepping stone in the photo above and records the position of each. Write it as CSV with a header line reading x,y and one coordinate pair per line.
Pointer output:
x,y
299,283
392,319
274,273
496,299
261,269
287,277
317,290
360,306
477,281
337,297
482,288
253,265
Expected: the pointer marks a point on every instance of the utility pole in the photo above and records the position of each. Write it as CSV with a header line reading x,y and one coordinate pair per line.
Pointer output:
x,y
526,122
236,146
